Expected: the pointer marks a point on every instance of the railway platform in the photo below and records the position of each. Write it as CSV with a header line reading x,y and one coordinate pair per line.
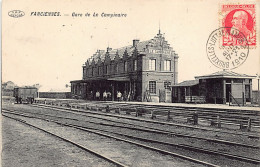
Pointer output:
x,y
208,106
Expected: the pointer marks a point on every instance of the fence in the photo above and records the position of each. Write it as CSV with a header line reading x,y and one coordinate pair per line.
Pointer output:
x,y
195,99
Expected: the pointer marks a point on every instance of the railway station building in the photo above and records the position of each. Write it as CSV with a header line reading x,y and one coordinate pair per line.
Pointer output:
x,y
220,88
142,71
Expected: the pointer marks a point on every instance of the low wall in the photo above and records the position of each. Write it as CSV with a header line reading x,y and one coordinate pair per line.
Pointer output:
x,y
195,99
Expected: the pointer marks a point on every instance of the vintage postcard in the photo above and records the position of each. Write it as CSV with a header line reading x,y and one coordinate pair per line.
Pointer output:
x,y
130,83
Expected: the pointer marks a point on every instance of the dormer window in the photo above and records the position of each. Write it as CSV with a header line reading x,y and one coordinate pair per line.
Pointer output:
x,y
125,66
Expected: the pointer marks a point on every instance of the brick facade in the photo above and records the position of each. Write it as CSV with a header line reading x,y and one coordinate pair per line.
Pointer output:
x,y
129,70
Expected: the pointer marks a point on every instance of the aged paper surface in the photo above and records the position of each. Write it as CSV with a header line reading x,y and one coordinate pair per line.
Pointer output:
x,y
47,42
50,41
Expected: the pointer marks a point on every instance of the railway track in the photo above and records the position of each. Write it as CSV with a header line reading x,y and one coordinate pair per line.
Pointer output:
x,y
69,141
109,136
228,117
207,151
255,112
154,130
151,121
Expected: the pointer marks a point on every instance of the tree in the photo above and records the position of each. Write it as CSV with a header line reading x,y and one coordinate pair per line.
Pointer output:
x,y
37,85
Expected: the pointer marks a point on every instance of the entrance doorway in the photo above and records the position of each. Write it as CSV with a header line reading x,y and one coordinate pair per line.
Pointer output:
x,y
228,91
247,93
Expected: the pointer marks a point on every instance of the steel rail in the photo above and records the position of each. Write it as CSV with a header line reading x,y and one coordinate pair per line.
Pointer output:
x,y
168,132
188,147
71,142
120,139
138,119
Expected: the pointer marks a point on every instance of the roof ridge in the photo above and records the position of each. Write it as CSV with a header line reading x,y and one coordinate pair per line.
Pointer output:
x,y
224,74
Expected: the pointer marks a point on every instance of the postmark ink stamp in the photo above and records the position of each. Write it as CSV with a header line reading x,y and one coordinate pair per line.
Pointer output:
x,y
237,19
229,56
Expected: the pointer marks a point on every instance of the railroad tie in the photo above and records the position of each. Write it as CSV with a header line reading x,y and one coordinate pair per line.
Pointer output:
x,y
117,110
249,122
219,121
195,118
152,114
169,116
107,108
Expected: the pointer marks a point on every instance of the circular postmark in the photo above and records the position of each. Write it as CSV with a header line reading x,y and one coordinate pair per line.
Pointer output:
x,y
224,56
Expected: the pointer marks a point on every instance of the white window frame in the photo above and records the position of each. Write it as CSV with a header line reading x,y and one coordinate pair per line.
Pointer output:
x,y
152,64
125,66
135,65
166,85
152,90
105,69
167,65
116,67
99,70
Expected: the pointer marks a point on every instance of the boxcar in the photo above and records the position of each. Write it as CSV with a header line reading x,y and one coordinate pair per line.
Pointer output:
x,y
25,94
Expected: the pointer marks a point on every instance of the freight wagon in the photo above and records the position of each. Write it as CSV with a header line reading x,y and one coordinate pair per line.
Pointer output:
x,y
25,94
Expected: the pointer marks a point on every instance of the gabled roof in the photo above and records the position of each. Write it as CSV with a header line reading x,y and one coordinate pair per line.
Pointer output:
x,y
187,83
225,74
112,53
158,40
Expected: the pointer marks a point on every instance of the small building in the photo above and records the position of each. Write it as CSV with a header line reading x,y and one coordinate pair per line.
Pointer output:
x,y
220,88
142,71
186,91
8,88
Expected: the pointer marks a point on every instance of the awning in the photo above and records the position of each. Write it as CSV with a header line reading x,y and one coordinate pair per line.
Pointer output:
x,y
119,79
187,83
89,80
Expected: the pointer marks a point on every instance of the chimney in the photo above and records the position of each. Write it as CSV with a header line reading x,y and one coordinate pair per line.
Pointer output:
x,y
109,49
135,42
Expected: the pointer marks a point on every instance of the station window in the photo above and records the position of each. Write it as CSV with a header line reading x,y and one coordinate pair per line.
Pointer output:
x,y
99,70
135,65
238,81
125,66
152,87
116,68
228,81
152,64
167,85
106,69
167,65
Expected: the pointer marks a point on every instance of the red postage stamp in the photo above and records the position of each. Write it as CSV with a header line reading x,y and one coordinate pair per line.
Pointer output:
x,y
239,21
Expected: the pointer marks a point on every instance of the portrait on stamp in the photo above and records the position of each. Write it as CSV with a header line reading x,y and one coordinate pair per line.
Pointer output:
x,y
239,20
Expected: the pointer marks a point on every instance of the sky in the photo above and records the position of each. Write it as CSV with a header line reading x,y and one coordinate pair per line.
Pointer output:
x,y
51,50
